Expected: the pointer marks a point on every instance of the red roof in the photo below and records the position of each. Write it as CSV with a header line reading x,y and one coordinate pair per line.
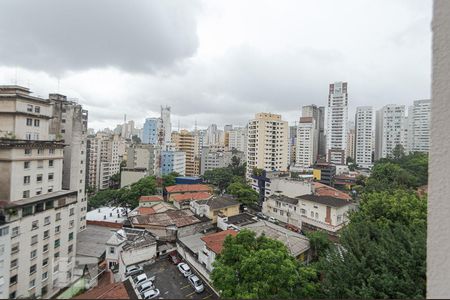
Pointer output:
x,y
146,210
155,198
215,241
183,188
111,291
190,196
321,189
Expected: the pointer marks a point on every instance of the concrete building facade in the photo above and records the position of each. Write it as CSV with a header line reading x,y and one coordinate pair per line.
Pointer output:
x,y
390,130
307,144
364,137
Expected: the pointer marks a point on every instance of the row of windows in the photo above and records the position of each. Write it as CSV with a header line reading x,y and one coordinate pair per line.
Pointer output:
x,y
40,164
39,151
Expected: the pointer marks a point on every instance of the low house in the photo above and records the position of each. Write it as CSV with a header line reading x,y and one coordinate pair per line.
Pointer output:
x,y
149,201
159,207
129,246
320,189
213,244
169,225
344,181
182,201
211,208
310,212
172,190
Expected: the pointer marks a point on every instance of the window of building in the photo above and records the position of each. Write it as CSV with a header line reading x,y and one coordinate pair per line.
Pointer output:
x,y
36,122
26,194
14,263
39,178
32,269
15,231
71,223
57,229
58,216
71,211
56,255
29,122
38,192
50,176
47,220
32,283
50,163
70,249
57,243
44,276
13,280
34,239
35,225
312,214
49,204
40,151
40,206
15,248
37,109
70,236
51,151
112,250
26,164
44,290
33,254
45,248
46,234
36,136
27,151
55,268
317,215
29,108
50,189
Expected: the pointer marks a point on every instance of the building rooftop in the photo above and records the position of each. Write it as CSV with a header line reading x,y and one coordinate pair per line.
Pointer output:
x,y
285,199
326,200
219,202
92,240
321,189
184,188
241,219
191,196
295,242
179,218
214,241
108,214
111,291
153,198
157,208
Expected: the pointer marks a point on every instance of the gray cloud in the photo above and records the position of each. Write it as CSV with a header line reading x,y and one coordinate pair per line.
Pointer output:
x,y
57,36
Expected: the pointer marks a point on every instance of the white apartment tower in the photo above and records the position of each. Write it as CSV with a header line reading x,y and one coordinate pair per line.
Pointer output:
x,y
318,113
267,145
307,146
237,139
419,129
364,124
390,130
38,218
337,117
166,124
69,124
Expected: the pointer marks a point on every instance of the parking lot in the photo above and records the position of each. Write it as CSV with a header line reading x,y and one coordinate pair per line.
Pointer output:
x,y
173,285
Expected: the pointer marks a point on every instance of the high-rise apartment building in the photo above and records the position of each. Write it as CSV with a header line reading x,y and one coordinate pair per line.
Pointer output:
x,y
390,130
173,161
364,138
69,124
267,145
166,124
307,146
350,151
185,142
38,218
419,129
104,154
318,113
152,131
213,158
144,156
292,144
337,118
237,139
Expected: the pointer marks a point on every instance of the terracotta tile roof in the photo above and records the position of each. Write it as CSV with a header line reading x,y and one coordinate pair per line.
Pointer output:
x,y
321,189
190,196
154,198
146,210
214,241
111,291
184,188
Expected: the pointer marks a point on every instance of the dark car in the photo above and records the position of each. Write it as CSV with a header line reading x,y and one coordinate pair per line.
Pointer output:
x,y
261,215
174,258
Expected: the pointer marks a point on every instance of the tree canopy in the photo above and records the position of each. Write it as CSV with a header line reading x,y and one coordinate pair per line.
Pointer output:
x,y
260,268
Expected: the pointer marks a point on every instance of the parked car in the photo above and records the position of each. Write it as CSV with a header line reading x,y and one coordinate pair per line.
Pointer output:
x,y
150,294
273,220
196,283
140,279
133,270
174,258
261,215
292,227
184,269
145,286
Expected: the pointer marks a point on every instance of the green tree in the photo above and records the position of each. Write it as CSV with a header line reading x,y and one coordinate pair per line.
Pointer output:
x,y
398,153
382,252
220,177
131,194
389,176
169,179
243,193
319,243
260,268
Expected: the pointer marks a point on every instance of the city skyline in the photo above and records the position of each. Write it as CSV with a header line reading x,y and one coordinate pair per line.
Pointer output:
x,y
224,72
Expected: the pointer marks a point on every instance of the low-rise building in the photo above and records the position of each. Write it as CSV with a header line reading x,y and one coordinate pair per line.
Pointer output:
x,y
181,201
213,244
211,208
172,190
324,173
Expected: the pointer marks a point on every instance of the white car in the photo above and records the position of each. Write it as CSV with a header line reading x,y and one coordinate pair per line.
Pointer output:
x,y
273,220
140,279
184,269
145,286
196,283
133,270
150,294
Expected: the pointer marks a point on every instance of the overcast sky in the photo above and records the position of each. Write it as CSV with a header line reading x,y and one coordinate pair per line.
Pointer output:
x,y
216,61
